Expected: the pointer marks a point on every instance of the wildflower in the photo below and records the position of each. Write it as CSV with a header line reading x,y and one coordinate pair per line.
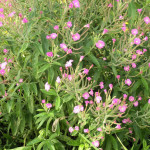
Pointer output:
x,y
128,82
110,5
5,51
68,63
149,101
86,130
47,86
147,20
24,20
96,143
11,14
86,71
49,105
76,3
118,77
87,25
53,35
131,98
76,109
114,40
49,54
69,24
3,65
133,57
124,121
134,31
76,36
100,44
144,50
71,129
126,68
124,28
43,101
137,41
1,10
118,126
69,51
81,58
91,102
98,99
91,92
63,46
116,101
86,95
139,52
105,31
139,10
70,77
76,128
20,15
146,38
48,37
99,129
133,65
87,102
71,5
136,103
56,27
111,86
58,80
121,17
139,98
1,24
122,108
20,80
89,78
2,16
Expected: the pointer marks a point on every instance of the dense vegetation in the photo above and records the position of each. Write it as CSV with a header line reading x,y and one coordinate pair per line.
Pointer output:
x,y
74,75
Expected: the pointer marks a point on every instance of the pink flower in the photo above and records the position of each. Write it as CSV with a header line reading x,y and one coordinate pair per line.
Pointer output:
x,y
111,86
71,5
89,78
71,129
114,40
100,44
99,129
139,52
76,36
43,101
76,3
11,14
147,20
145,38
137,41
87,25
86,71
69,51
133,57
68,63
2,72
149,101
125,96
95,143
2,16
134,31
1,24
3,65
139,98
1,10
49,105
131,98
49,54
24,20
110,5
136,103
116,101
98,99
81,58
63,46
122,108
48,37
76,128
101,84
124,28
53,35
91,102
139,10
118,126
5,51
118,76
69,77
20,15
121,17
69,24
127,68
56,27
124,121
133,65
87,102
76,109
20,80
128,82
86,130
91,92
58,80
86,95
105,31
144,50
47,86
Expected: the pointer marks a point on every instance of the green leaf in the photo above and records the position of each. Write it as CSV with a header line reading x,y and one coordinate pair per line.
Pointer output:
x,y
43,68
33,88
136,86
114,143
35,141
23,48
121,143
145,83
26,88
81,147
94,60
50,92
57,103
114,70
